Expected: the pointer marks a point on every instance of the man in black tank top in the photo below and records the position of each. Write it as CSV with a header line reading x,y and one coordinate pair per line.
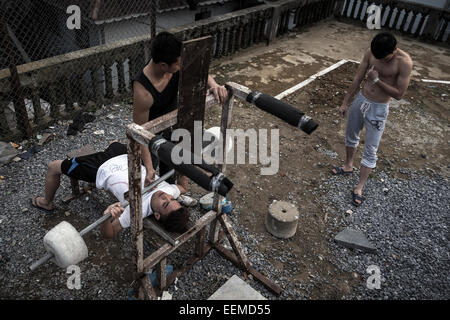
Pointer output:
x,y
155,92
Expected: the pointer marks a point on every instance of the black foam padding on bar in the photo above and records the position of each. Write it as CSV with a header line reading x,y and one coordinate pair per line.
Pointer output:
x,y
191,170
281,110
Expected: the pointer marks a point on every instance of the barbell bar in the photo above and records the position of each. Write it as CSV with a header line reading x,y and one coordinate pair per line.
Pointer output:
x,y
67,227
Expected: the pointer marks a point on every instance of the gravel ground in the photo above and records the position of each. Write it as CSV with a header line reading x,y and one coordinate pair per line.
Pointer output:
x,y
408,224
407,220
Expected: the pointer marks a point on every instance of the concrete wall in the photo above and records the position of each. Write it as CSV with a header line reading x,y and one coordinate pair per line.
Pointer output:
x,y
444,4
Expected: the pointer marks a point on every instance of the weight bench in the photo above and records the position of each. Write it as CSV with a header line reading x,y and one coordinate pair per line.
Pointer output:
x,y
151,224
192,104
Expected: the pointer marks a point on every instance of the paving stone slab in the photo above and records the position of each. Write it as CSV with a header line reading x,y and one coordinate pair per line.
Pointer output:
x,y
236,289
354,239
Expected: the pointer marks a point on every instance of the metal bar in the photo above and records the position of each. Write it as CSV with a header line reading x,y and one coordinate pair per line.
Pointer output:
x,y
105,217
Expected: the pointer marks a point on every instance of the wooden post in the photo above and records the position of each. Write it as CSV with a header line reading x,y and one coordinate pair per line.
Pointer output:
x,y
135,201
227,110
161,273
195,60
19,103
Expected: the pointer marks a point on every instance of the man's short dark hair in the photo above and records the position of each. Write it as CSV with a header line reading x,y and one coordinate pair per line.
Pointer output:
x,y
165,47
176,221
383,45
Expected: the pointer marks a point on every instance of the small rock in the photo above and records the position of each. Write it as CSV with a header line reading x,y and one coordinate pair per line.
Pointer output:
x,y
17,159
99,132
349,212
385,190
24,210
67,213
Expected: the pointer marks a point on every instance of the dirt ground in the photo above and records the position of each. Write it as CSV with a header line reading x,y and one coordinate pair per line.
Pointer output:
x,y
416,135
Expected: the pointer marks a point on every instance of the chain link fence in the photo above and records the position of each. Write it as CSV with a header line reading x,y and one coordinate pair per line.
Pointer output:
x,y
32,31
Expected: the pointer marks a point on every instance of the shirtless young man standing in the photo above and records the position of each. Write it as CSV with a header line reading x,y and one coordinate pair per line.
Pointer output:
x,y
388,71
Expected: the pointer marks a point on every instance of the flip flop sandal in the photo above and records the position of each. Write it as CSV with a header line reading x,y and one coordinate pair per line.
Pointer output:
x,y
34,204
356,196
340,171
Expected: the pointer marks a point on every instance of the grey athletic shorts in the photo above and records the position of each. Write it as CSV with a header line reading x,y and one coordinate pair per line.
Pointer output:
x,y
372,114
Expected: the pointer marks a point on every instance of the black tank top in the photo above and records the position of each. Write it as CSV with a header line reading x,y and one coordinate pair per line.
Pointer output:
x,y
163,102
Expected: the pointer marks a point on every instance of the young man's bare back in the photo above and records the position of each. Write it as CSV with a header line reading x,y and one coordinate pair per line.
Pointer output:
x,y
388,71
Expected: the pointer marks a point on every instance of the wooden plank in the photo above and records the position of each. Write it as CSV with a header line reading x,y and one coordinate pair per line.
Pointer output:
x,y
135,202
265,281
200,242
166,249
227,110
170,119
161,232
227,254
146,287
161,273
231,256
232,238
139,134
195,59
81,152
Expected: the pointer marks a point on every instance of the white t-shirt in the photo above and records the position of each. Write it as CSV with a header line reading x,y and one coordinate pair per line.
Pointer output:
x,y
113,176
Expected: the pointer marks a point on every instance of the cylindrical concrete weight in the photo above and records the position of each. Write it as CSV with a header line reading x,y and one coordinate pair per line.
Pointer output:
x,y
66,244
282,219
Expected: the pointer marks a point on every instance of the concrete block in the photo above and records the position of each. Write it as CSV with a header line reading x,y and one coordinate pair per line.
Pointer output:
x,y
354,239
236,289
7,152
282,219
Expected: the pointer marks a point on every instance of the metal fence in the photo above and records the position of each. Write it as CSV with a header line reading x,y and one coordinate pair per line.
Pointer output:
x,y
31,31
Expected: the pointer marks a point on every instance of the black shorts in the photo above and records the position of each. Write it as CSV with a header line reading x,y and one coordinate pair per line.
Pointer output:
x,y
85,167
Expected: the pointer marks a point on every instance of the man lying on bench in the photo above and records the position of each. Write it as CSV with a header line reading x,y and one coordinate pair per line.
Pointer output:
x,y
109,170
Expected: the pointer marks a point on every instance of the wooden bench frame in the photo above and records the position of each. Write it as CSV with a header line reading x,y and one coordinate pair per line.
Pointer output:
x,y
192,106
